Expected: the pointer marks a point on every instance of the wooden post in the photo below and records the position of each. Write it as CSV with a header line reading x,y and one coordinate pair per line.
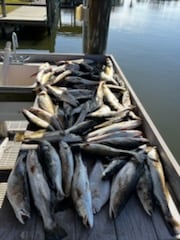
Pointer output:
x,y
3,7
96,26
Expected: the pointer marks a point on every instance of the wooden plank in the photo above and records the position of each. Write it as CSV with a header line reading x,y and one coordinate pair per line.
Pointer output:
x,y
103,227
3,187
11,229
9,156
27,13
134,223
66,220
16,126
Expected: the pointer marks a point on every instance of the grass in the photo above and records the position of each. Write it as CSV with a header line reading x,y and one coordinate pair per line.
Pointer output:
x,y
10,8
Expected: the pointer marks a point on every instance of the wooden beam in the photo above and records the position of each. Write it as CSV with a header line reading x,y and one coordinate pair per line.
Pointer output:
x,y
96,24
3,7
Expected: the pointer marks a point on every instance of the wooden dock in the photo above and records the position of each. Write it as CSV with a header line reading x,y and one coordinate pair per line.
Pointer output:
x,y
26,15
40,14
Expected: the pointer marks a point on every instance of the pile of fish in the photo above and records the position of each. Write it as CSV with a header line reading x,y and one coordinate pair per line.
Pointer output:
x,y
91,148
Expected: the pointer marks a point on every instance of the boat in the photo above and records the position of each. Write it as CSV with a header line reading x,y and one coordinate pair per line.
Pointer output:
x,y
133,222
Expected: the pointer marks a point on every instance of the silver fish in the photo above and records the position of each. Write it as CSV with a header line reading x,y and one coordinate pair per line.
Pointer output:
x,y
123,133
103,150
36,120
160,189
84,111
48,117
126,100
108,79
144,191
124,142
62,94
61,77
81,193
53,167
112,99
42,197
67,160
124,125
123,186
113,167
100,190
18,190
74,79
108,68
103,111
44,101
81,128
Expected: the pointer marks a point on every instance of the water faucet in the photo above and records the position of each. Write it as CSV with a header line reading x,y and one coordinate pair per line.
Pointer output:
x,y
15,45
16,59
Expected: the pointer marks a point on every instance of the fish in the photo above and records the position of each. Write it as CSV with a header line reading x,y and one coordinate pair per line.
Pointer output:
x,y
113,168
84,112
75,79
53,167
100,190
108,68
126,100
103,150
81,193
28,135
113,117
48,117
67,161
102,112
123,142
123,133
62,94
111,98
108,79
80,94
32,118
45,102
61,77
144,190
160,189
99,96
42,197
81,128
124,125
46,78
123,185
18,190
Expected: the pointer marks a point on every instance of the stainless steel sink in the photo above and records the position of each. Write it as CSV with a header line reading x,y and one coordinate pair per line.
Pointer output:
x,y
18,76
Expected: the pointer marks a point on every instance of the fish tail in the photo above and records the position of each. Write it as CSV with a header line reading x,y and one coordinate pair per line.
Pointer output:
x,y
56,233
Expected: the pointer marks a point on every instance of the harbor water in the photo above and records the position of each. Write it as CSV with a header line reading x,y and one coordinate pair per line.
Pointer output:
x,y
144,38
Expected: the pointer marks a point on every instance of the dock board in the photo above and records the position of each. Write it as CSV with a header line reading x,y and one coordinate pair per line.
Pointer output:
x,y
131,223
26,15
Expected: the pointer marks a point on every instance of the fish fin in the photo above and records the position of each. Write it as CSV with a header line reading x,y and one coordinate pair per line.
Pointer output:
x,y
56,233
22,215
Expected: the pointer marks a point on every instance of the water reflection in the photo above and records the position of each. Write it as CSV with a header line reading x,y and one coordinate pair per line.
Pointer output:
x,y
66,24
144,38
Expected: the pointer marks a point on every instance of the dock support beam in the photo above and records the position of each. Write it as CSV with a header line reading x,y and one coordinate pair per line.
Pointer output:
x,y
96,25
3,7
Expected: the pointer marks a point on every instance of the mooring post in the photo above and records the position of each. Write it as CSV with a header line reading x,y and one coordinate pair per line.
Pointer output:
x,y
3,7
96,25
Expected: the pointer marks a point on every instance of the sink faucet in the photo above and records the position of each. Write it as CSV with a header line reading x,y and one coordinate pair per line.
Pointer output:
x,y
11,57
15,45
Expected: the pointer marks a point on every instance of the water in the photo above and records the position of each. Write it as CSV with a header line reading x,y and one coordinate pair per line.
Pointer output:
x,y
144,38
